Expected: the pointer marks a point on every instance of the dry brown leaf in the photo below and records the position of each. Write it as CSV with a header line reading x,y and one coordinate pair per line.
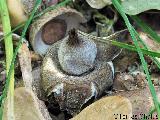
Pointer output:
x,y
106,109
27,106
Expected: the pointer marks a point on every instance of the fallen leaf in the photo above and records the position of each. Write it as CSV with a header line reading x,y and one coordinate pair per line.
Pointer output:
x,y
133,7
107,108
27,106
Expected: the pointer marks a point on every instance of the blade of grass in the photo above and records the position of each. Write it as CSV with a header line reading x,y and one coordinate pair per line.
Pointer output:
x,y
131,48
108,40
146,29
145,46
6,35
11,67
130,28
9,54
113,42
19,44
21,25
151,33
23,34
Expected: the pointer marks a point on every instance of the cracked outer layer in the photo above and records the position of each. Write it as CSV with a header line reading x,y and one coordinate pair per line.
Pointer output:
x,y
71,92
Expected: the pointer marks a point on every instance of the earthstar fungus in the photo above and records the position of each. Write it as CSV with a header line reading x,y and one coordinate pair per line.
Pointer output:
x,y
73,91
53,26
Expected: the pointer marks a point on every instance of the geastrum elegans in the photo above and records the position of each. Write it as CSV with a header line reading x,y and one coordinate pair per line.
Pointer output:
x,y
73,74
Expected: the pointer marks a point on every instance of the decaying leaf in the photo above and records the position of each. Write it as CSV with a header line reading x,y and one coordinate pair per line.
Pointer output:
x,y
27,106
133,7
98,4
108,108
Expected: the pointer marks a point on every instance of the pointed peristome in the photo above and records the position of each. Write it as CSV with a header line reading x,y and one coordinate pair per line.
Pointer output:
x,y
73,38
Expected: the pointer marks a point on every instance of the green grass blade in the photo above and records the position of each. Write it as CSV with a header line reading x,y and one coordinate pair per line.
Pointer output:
x,y
156,62
108,40
9,54
20,42
146,28
151,33
11,67
17,28
145,46
130,28
17,48
131,47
